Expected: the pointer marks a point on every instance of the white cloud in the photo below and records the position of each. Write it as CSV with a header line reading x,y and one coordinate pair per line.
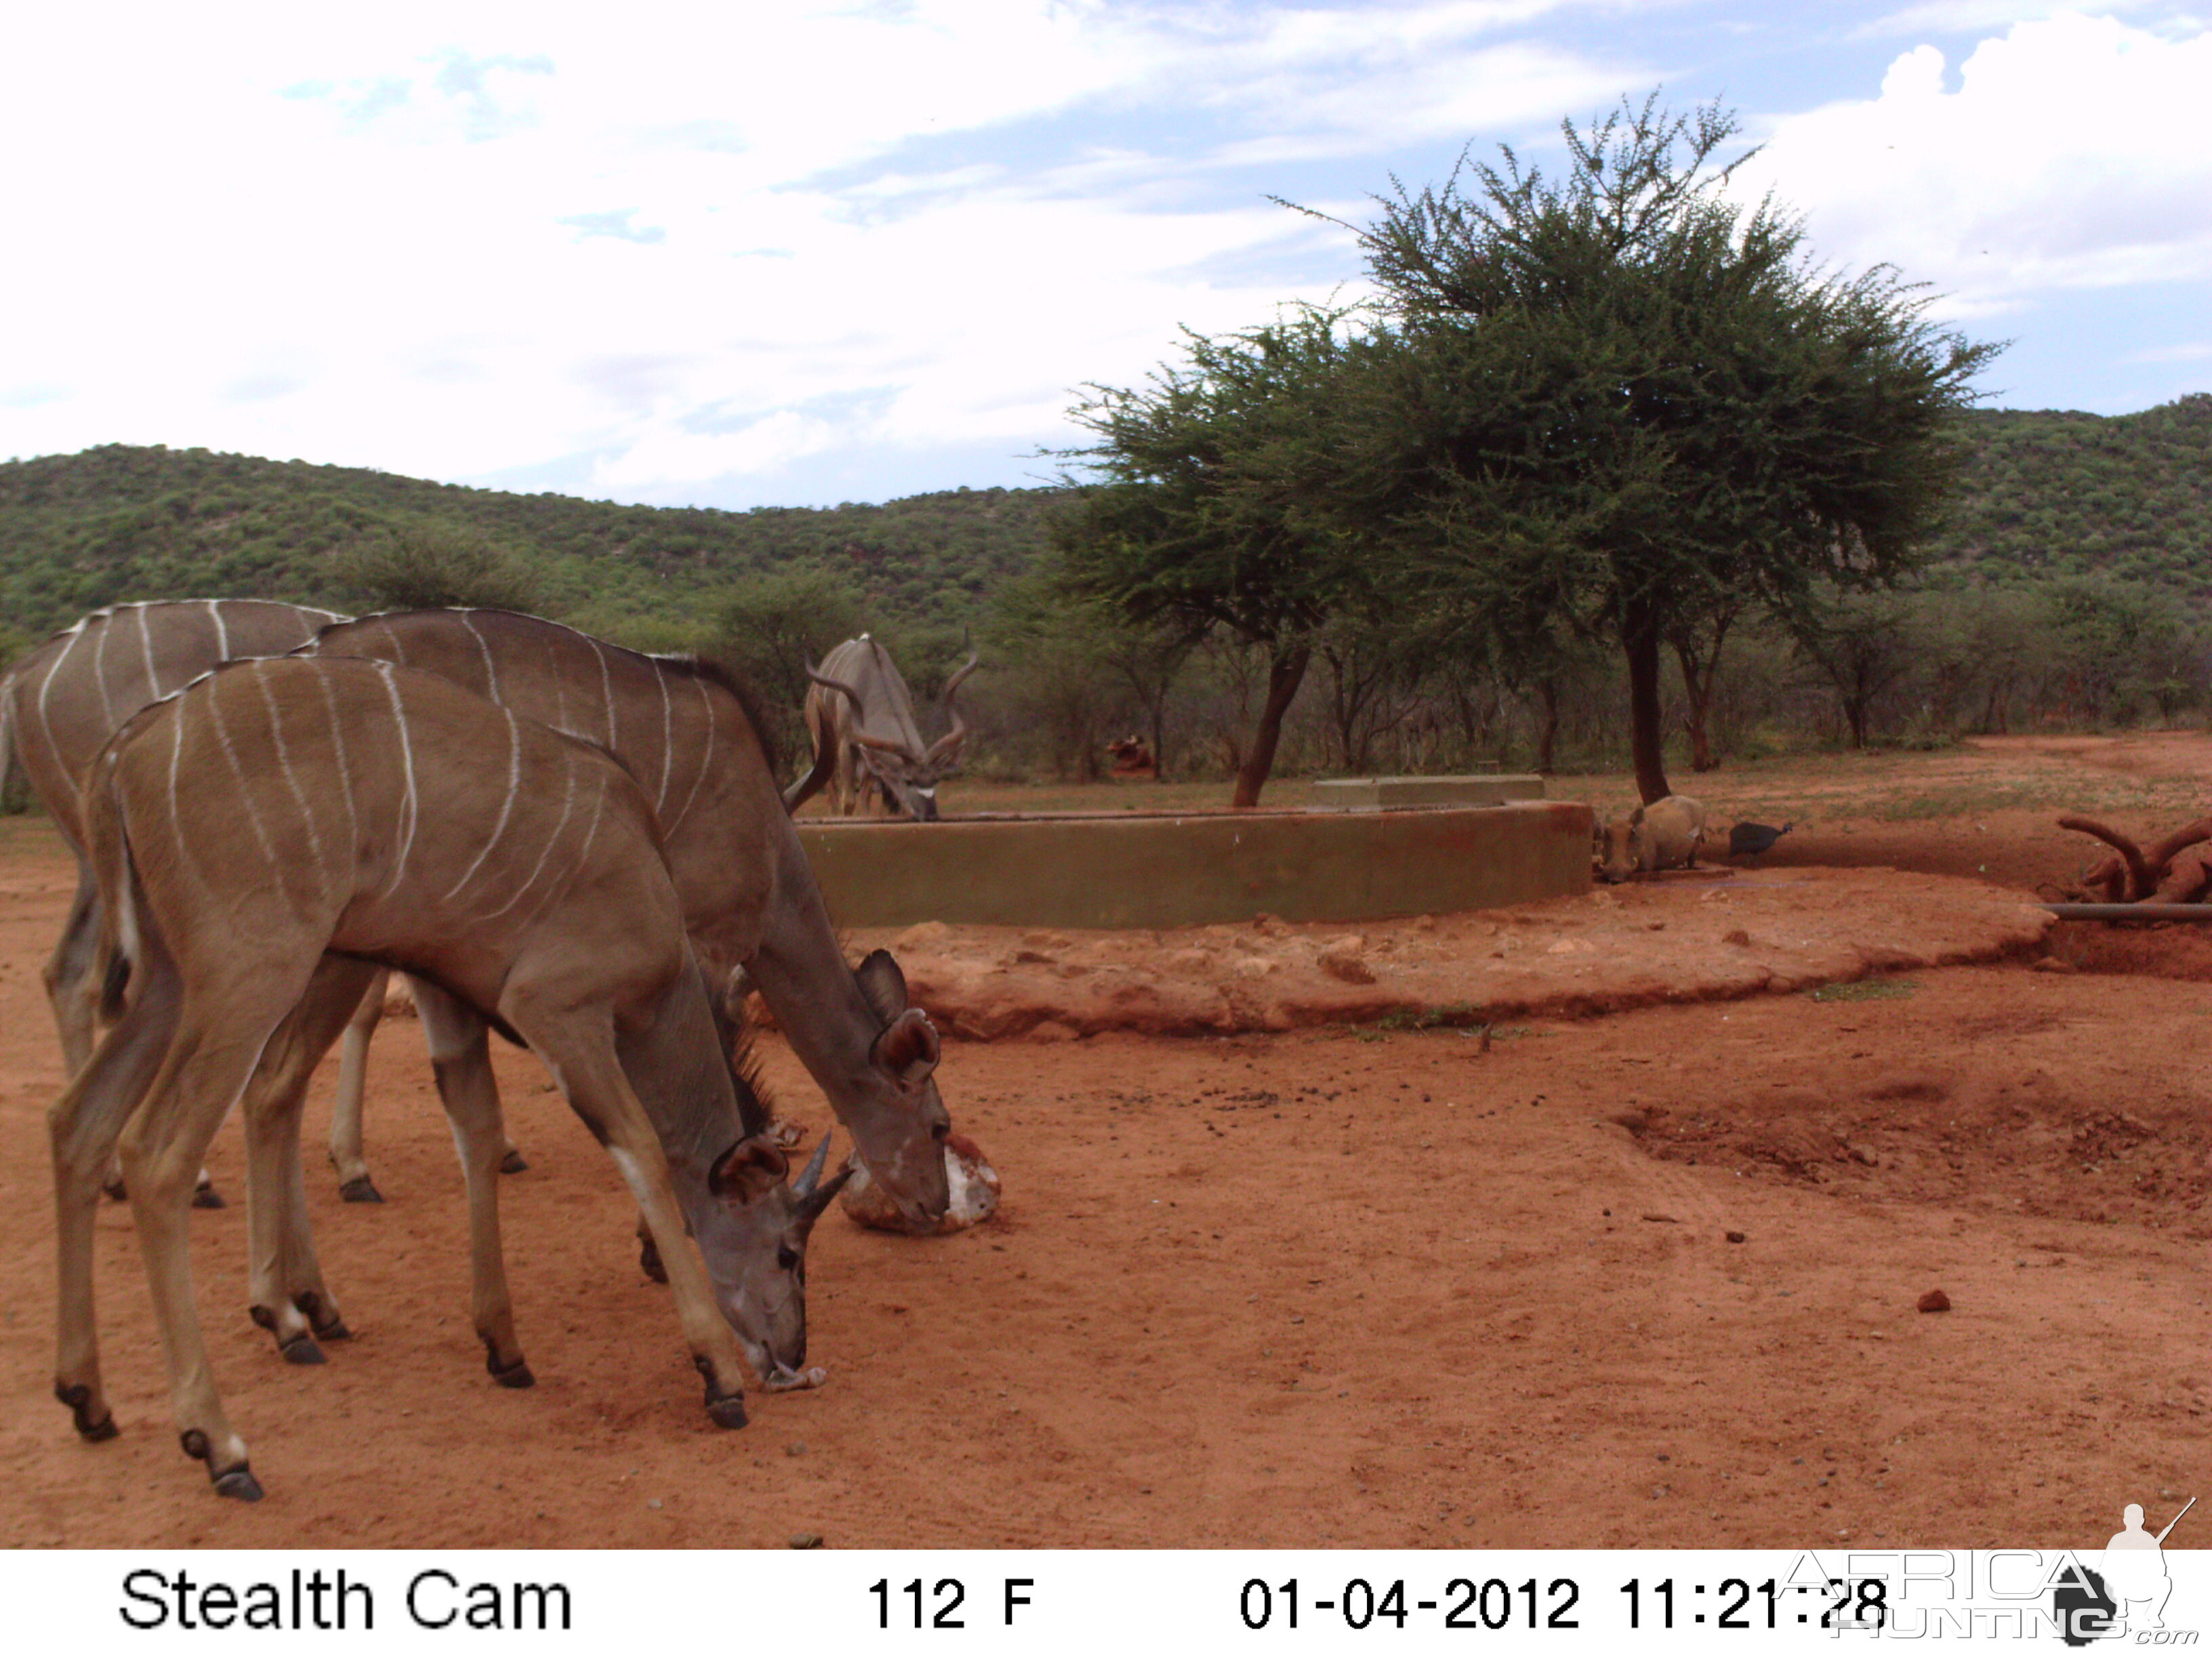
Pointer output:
x,y
699,245
1975,16
2190,351
2071,156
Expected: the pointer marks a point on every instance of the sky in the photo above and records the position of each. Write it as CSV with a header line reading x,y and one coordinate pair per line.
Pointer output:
x,y
793,254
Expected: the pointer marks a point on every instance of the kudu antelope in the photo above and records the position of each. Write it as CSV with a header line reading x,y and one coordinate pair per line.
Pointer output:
x,y
264,837
59,707
62,703
861,717
751,904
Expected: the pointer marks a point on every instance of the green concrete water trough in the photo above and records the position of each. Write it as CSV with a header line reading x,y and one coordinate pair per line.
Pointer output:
x,y
1478,789
1131,870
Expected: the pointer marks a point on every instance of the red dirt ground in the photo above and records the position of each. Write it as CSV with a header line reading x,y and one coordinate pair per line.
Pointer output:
x,y
1330,1287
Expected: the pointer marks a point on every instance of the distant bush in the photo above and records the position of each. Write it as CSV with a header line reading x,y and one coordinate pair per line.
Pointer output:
x,y
424,567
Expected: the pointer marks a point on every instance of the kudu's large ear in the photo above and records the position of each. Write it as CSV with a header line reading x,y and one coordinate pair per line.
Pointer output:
x,y
748,1171
882,984
908,1047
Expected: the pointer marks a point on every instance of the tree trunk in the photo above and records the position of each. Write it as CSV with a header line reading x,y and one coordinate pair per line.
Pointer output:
x,y
1287,670
1547,734
1700,672
1639,638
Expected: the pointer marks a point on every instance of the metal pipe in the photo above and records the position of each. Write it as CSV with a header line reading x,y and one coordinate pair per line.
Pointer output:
x,y
2131,912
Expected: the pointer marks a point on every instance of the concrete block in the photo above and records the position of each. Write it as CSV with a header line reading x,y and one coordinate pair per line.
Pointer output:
x,y
1126,870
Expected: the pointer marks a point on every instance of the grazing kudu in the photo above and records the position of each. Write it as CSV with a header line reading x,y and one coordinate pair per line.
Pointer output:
x,y
264,837
749,900
861,717
65,700
62,703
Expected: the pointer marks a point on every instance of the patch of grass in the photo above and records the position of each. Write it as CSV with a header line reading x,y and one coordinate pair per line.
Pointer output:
x,y
1452,1015
1863,990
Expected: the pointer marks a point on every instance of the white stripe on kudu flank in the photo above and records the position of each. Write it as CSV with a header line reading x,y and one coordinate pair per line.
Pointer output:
x,y
176,815
491,672
705,761
607,691
407,807
392,634
99,673
345,777
245,794
513,787
146,650
568,805
53,669
221,632
291,778
667,740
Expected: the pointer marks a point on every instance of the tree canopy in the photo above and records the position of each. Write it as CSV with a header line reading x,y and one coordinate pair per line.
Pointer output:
x,y
1622,399
1215,504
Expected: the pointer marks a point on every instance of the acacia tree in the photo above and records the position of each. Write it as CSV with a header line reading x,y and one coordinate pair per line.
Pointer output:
x,y
1214,500
1624,398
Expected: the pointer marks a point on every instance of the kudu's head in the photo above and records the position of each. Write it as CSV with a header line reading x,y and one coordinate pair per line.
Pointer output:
x,y
750,1227
900,1123
752,1235
909,775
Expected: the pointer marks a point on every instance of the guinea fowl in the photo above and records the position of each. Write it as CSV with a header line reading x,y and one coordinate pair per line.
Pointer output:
x,y
1750,839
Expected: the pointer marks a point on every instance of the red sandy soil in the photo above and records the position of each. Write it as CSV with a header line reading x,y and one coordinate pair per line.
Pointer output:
x,y
1334,1285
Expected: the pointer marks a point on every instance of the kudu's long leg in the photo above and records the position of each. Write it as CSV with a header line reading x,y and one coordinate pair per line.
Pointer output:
x,y
83,1126
460,1054
346,1154
69,976
221,1032
290,1299
74,996
584,1065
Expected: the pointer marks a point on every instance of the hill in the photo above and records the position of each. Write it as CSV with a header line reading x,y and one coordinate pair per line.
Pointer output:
x,y
2045,494
2053,494
119,522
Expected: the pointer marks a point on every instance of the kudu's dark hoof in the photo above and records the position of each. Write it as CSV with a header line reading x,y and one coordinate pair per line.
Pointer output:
x,y
115,1189
297,1350
333,1329
728,1410
513,1163
237,1483
360,1190
514,1375
649,1262
78,1397
206,1198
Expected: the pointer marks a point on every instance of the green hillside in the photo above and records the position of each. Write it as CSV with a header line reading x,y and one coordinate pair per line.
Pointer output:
x,y
2046,494
120,523
2052,494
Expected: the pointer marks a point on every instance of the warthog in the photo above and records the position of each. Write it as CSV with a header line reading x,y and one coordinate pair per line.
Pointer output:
x,y
1664,835
1131,757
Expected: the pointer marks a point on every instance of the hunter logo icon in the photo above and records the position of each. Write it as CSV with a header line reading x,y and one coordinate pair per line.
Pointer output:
x,y
2128,1595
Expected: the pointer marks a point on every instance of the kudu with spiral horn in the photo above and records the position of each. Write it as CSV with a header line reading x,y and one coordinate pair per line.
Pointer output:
x,y
861,717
